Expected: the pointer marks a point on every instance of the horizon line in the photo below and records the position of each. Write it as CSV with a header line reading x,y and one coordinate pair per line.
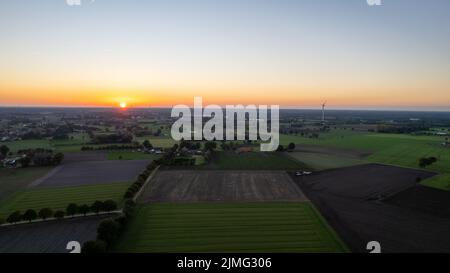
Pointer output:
x,y
281,108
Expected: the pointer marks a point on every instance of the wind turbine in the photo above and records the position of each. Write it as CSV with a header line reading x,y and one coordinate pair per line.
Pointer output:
x,y
323,112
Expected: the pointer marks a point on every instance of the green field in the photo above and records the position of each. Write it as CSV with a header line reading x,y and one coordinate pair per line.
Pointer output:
x,y
396,149
158,142
441,181
393,149
320,162
130,155
13,180
255,161
59,197
15,146
238,227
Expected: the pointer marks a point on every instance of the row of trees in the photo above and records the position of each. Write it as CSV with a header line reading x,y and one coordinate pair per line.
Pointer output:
x,y
137,185
71,210
111,138
110,230
110,147
36,157
290,147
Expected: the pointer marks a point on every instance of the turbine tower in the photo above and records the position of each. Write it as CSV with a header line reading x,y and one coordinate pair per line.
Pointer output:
x,y
323,112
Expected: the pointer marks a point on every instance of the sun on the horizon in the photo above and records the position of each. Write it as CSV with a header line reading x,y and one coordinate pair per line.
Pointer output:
x,y
123,105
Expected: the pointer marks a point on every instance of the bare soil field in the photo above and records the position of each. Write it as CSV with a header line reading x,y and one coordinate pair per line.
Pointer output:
x,y
219,186
48,237
422,198
92,172
348,199
85,156
369,181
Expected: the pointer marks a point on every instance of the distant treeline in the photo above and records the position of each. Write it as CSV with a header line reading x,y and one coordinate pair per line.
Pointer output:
x,y
111,138
110,147
401,129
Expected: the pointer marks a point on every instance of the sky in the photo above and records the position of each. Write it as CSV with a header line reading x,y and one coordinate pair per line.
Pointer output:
x,y
161,53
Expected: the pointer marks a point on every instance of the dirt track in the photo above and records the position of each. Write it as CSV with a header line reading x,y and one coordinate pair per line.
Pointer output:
x,y
347,199
211,186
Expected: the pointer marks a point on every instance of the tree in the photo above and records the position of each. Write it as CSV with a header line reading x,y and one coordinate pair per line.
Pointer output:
x,y
291,146
45,213
59,214
97,246
128,207
58,158
108,231
426,161
280,148
97,206
14,217
25,161
4,150
2,221
147,144
30,215
72,209
84,209
109,205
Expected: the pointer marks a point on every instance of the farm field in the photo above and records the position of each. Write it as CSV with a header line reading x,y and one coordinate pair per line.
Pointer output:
x,y
15,146
220,186
160,142
319,161
441,181
13,180
57,198
130,155
375,201
395,149
253,161
92,172
48,237
239,227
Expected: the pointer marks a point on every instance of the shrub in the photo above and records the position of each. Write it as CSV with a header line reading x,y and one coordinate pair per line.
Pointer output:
x,y
59,214
72,209
14,217
2,221
122,221
97,206
45,213
84,209
108,231
96,246
291,146
29,215
128,207
109,205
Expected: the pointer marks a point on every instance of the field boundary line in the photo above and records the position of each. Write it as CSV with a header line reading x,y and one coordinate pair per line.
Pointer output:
x,y
136,196
53,219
